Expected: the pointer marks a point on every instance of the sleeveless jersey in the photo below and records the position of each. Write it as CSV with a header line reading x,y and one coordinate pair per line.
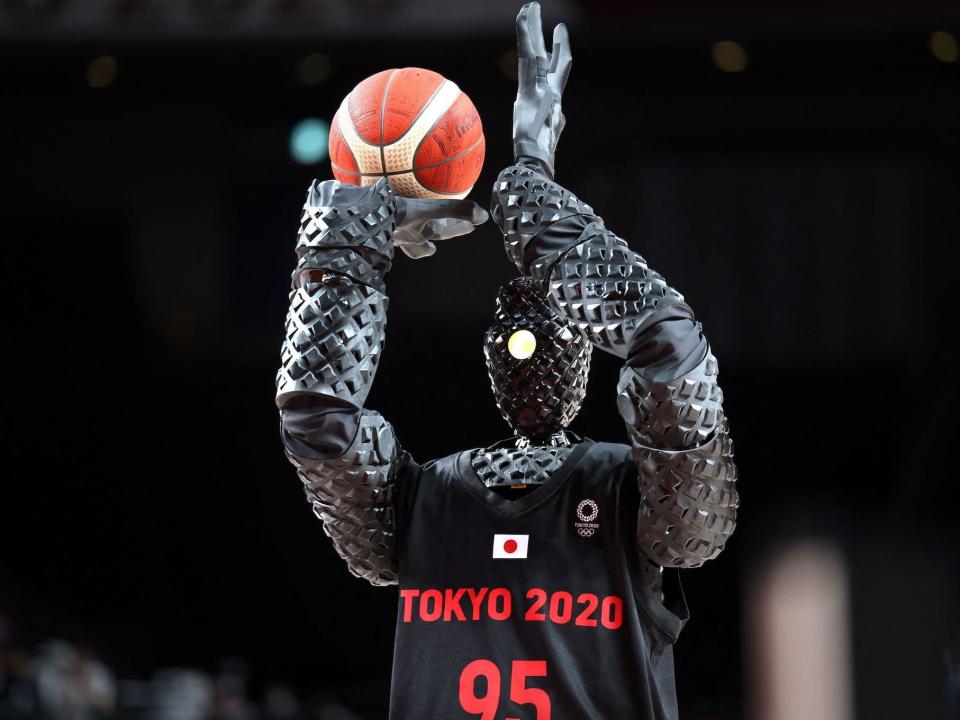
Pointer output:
x,y
533,608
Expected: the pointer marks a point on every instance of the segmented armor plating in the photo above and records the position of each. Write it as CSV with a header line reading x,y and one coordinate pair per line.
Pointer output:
x,y
539,395
353,495
668,393
498,467
334,338
684,412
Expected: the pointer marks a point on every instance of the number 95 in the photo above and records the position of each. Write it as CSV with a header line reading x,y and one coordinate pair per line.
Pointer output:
x,y
486,705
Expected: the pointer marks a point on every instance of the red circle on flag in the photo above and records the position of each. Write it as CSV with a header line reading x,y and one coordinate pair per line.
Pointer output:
x,y
510,546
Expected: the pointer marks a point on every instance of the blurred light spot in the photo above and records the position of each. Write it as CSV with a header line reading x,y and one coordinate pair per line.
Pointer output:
x,y
798,605
508,64
102,71
308,141
944,47
729,55
314,69
522,344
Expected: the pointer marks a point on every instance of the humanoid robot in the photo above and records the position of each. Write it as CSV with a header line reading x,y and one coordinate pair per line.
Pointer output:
x,y
547,564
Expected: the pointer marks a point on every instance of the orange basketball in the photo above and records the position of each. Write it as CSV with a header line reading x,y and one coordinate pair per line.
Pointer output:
x,y
412,126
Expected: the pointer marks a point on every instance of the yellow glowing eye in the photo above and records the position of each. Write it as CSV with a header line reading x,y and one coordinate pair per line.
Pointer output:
x,y
522,344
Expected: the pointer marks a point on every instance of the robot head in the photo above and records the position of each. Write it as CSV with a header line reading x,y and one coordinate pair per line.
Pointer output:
x,y
538,362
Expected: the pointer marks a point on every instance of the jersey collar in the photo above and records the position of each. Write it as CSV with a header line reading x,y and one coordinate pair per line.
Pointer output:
x,y
468,478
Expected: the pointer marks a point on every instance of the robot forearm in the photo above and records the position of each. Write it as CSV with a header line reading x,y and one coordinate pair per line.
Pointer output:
x,y
347,457
588,273
353,495
668,394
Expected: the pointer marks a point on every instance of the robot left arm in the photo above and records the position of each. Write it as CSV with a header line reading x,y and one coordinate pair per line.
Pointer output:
x,y
668,393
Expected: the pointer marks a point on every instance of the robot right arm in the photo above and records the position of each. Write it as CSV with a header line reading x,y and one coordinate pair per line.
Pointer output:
x,y
348,457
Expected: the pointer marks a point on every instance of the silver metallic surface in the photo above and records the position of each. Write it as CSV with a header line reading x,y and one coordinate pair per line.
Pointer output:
x,y
353,496
337,215
689,501
524,204
561,438
528,465
681,413
607,290
539,395
334,339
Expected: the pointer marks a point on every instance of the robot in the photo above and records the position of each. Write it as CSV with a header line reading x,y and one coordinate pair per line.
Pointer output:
x,y
546,564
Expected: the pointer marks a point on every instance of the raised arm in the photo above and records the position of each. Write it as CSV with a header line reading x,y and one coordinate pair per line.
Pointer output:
x,y
347,456
668,393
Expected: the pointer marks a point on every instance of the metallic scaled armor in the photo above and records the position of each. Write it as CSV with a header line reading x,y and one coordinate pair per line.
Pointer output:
x,y
541,394
346,456
668,393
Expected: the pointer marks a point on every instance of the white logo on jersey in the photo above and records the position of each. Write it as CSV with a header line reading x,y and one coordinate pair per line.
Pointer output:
x,y
510,547
587,512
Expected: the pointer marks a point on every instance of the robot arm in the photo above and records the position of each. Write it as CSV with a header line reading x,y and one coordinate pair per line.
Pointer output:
x,y
346,456
668,393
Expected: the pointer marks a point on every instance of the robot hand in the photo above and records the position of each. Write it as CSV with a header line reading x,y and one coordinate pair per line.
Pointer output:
x,y
537,116
420,222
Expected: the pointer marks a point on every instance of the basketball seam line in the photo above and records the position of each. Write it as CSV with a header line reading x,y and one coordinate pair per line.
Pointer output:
x,y
416,117
411,170
383,112
429,132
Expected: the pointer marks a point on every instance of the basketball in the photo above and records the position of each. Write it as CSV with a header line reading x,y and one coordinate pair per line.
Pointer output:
x,y
412,126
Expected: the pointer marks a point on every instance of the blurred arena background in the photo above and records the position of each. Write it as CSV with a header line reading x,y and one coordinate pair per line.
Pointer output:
x,y
796,166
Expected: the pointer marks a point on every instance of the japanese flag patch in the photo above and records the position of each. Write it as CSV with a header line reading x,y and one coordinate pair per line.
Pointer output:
x,y
510,547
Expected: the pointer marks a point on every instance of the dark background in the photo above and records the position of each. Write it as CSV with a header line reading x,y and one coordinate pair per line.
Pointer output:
x,y
808,208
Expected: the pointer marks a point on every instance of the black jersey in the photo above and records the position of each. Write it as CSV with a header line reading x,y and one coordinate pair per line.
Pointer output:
x,y
533,608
